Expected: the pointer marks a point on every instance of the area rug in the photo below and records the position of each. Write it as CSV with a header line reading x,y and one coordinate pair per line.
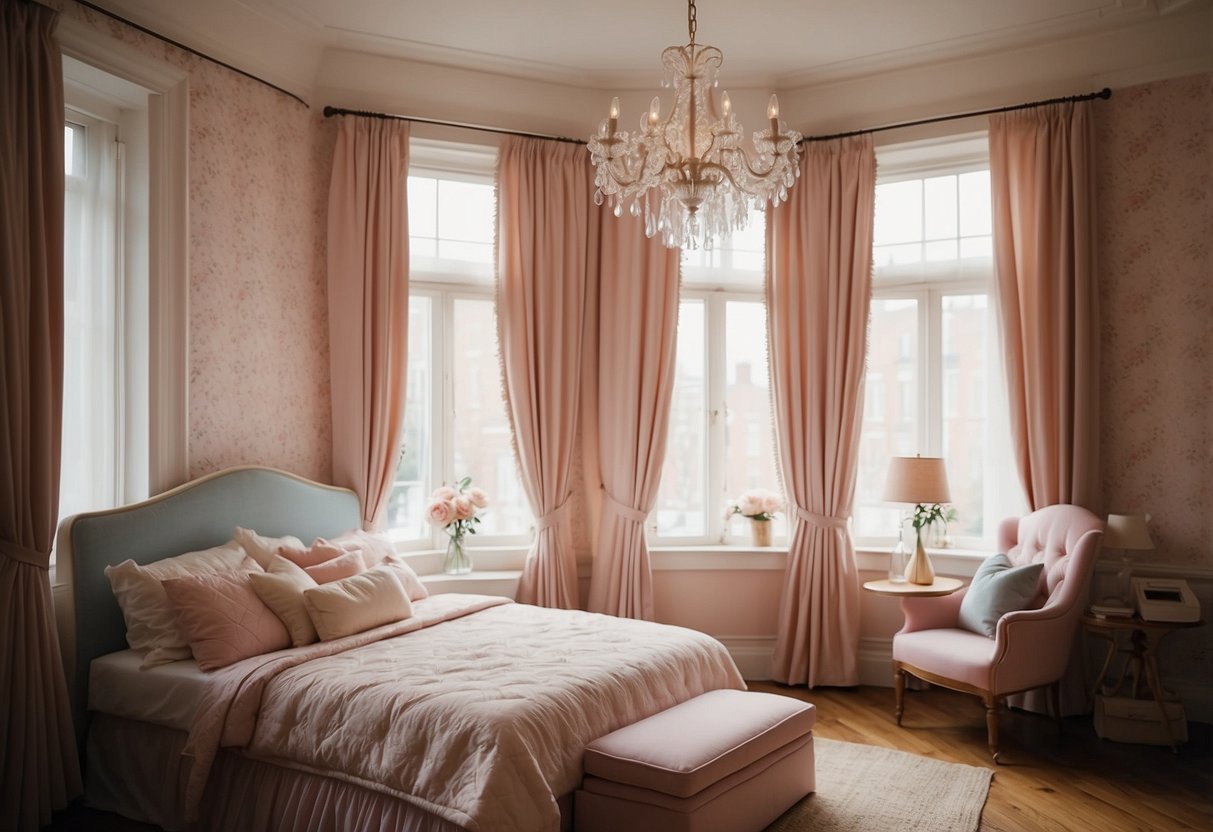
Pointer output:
x,y
867,789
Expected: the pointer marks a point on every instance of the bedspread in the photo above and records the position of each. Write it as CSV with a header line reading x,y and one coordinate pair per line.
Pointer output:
x,y
476,711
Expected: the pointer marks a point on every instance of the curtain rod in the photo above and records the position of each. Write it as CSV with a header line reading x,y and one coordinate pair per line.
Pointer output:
x,y
189,49
1105,94
341,111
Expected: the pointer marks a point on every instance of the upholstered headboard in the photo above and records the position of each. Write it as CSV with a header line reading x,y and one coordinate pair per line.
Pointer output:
x,y
197,515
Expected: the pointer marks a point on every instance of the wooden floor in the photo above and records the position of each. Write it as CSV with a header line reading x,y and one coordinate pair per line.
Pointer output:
x,y
1070,783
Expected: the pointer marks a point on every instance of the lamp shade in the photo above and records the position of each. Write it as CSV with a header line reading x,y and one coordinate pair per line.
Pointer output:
x,y
917,479
1127,531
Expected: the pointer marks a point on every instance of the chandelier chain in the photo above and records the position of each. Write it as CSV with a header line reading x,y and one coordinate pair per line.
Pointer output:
x,y
692,20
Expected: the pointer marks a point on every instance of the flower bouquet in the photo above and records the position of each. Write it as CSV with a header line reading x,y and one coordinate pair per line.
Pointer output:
x,y
457,509
760,507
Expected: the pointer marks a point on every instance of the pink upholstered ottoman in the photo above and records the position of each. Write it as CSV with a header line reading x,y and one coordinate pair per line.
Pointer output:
x,y
726,761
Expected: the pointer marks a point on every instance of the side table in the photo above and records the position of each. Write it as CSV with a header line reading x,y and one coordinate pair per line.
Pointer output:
x,y
905,589
1144,640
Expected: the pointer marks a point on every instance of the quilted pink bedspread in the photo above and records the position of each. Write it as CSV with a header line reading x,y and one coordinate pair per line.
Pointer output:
x,y
475,710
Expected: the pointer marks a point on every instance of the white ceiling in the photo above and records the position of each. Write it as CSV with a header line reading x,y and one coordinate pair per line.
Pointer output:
x,y
598,44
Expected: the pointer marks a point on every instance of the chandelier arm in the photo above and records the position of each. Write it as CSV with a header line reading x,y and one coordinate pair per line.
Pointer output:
x,y
757,174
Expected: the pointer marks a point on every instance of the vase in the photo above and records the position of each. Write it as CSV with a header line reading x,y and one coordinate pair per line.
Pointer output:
x,y
761,530
458,561
897,561
918,570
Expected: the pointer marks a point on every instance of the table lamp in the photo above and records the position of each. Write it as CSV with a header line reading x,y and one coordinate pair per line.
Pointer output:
x,y
1127,532
923,482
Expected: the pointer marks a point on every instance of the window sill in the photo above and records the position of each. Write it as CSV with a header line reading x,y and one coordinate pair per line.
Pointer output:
x,y
959,563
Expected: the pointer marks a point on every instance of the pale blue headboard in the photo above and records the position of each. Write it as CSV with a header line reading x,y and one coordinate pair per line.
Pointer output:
x,y
198,515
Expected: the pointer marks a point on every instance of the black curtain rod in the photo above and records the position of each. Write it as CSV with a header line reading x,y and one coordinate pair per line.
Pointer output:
x,y
189,49
1105,94
329,112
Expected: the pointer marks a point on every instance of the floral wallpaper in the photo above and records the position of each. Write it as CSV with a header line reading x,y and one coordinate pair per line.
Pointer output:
x,y
1155,237
259,165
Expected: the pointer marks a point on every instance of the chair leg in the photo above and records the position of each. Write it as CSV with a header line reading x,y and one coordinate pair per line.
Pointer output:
x,y
899,692
992,725
1055,704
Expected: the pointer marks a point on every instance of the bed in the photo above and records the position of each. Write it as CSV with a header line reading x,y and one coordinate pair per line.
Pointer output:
x,y
471,714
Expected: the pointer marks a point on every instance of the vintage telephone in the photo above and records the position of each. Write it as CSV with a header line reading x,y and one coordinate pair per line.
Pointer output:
x,y
1165,599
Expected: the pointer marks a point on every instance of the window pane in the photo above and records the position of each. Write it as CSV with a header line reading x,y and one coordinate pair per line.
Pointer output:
x,y
480,429
423,207
974,203
738,260
465,211
406,505
966,345
940,193
890,412
682,499
898,212
749,459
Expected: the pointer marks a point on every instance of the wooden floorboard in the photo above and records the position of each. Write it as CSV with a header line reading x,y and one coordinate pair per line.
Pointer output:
x,y
1072,782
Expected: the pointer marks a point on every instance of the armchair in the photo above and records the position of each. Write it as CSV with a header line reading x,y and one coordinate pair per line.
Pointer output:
x,y
1030,647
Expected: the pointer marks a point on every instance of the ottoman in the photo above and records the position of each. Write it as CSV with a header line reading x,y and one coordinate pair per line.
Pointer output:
x,y
726,761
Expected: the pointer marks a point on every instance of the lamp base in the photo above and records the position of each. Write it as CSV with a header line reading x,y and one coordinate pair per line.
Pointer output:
x,y
918,570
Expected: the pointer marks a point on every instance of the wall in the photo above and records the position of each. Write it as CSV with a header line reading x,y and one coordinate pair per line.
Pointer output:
x,y
258,326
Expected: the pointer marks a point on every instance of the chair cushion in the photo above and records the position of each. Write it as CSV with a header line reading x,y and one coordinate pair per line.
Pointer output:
x,y
953,654
997,589
691,746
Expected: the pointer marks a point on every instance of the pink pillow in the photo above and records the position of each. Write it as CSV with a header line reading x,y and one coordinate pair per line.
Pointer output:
x,y
376,547
223,619
412,584
344,566
320,551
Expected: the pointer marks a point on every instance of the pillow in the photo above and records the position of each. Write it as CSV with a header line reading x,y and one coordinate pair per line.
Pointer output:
x,y
376,548
358,603
343,566
224,619
264,549
997,589
281,588
320,551
412,584
151,623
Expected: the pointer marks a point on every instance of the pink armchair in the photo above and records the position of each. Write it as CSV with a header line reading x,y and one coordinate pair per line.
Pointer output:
x,y
1030,647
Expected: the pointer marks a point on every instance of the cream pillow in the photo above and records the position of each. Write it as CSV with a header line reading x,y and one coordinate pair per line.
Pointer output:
x,y
151,620
281,588
361,602
264,549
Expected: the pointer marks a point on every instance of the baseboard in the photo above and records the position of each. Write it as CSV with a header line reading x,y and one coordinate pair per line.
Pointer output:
x,y
754,655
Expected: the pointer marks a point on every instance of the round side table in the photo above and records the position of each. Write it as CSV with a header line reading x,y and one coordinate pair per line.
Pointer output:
x,y
905,589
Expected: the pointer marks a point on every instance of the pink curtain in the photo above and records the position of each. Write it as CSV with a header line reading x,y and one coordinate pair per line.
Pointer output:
x,y
368,284
637,324
543,210
39,771
1043,191
819,281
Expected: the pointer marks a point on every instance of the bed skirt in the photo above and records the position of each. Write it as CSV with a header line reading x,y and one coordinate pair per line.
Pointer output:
x,y
136,770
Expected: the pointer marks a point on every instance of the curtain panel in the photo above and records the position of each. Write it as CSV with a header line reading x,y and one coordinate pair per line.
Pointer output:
x,y
633,382
39,770
818,288
543,217
1042,187
368,286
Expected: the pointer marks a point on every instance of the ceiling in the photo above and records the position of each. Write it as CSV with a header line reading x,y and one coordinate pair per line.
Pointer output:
x,y
780,43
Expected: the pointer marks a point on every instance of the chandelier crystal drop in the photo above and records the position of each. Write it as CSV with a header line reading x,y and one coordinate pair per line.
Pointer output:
x,y
687,172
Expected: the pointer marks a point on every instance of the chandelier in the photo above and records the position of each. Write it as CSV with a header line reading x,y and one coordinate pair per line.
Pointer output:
x,y
688,172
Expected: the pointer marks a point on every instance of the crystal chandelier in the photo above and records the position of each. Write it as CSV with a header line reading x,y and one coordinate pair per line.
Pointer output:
x,y
688,172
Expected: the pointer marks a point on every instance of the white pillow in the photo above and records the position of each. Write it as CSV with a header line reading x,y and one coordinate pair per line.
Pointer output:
x,y
264,549
357,603
151,620
281,588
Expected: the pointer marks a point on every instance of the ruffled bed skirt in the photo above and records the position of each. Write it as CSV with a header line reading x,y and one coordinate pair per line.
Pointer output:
x,y
136,770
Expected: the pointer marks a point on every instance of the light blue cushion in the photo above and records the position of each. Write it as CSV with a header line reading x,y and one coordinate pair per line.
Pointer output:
x,y
997,589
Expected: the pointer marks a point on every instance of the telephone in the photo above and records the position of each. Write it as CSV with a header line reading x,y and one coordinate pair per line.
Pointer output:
x,y
1165,599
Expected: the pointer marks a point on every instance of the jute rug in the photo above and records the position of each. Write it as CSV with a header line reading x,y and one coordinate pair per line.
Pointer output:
x,y
868,789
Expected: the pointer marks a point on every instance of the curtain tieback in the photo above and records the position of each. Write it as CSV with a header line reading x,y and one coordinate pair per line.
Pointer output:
x,y
553,517
822,521
624,510
22,554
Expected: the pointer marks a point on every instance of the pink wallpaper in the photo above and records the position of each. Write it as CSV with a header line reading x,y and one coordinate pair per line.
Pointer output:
x,y
258,342
1155,216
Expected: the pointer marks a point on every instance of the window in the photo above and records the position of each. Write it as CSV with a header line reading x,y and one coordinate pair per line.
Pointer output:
x,y
455,419
721,441
934,360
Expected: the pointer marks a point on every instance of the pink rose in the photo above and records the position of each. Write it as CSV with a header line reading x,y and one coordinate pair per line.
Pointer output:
x,y
478,497
750,504
440,513
771,502
463,507
444,492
